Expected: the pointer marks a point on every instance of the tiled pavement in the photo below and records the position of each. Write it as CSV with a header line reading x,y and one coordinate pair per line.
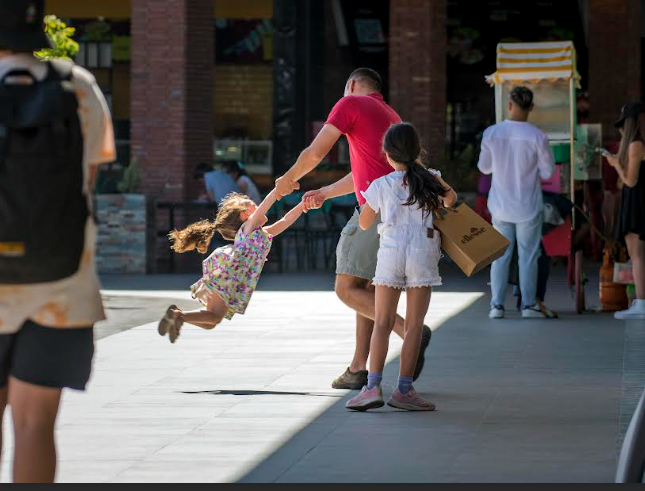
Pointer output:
x,y
519,401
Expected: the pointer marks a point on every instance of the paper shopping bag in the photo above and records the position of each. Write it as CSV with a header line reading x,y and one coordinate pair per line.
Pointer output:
x,y
471,242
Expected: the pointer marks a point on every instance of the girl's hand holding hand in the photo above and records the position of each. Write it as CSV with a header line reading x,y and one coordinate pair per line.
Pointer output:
x,y
314,200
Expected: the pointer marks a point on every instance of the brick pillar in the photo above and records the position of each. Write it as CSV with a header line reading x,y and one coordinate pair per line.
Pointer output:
x,y
172,93
418,68
614,58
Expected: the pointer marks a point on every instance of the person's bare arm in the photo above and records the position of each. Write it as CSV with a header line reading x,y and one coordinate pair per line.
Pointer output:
x,y
367,218
314,200
255,220
308,160
286,222
630,174
94,171
451,197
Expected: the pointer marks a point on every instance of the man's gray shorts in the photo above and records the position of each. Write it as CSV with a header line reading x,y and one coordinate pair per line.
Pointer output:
x,y
357,250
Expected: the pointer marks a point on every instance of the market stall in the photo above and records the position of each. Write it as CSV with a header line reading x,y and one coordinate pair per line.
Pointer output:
x,y
549,70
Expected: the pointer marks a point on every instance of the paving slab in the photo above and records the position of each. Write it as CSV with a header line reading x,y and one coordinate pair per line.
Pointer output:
x,y
519,401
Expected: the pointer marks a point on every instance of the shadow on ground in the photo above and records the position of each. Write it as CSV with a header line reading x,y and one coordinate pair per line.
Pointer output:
x,y
518,402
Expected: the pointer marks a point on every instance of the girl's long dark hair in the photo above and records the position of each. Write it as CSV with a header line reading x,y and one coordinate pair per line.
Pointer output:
x,y
403,145
634,130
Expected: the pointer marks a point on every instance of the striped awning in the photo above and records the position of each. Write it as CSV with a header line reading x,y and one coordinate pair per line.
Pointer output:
x,y
535,62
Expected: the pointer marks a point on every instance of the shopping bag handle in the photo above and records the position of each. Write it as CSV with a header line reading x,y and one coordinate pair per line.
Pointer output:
x,y
441,213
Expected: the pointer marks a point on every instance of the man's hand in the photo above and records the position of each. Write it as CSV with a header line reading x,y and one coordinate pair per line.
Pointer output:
x,y
314,200
285,186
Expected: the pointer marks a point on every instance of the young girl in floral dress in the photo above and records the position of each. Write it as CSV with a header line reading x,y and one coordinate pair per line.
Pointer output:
x,y
230,274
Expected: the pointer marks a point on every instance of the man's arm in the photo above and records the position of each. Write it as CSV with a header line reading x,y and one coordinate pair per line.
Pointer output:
x,y
485,164
546,161
314,200
308,160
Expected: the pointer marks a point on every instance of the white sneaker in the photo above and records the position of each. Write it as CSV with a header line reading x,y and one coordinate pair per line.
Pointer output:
x,y
497,312
532,313
636,312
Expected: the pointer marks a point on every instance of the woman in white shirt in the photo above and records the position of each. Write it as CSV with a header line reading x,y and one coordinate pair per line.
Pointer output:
x,y
244,182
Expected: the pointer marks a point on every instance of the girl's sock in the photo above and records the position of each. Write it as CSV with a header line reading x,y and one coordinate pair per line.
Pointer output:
x,y
374,380
405,385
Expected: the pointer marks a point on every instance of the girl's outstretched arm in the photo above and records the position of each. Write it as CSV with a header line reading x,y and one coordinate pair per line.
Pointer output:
x,y
286,222
255,221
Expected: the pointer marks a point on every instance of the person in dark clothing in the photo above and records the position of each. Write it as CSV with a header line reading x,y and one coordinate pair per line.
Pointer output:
x,y
631,223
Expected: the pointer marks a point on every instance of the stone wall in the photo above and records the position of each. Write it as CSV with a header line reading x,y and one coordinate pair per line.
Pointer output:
x,y
121,242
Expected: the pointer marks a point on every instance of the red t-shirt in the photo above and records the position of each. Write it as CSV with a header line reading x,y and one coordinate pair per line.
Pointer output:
x,y
365,120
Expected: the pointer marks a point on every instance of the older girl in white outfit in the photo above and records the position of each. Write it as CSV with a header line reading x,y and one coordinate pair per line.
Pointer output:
x,y
408,259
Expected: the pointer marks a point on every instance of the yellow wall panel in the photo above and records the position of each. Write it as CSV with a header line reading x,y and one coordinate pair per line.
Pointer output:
x,y
89,9
243,9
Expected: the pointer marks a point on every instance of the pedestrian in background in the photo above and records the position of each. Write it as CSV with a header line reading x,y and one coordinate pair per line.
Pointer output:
x,y
244,182
55,129
219,185
517,154
631,223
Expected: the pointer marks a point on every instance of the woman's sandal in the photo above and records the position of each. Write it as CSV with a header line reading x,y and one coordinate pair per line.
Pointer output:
x,y
549,314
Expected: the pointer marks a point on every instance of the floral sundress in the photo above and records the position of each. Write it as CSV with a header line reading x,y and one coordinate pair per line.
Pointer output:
x,y
232,272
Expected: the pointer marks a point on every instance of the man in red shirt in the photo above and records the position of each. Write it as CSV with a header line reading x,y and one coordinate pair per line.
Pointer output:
x,y
364,118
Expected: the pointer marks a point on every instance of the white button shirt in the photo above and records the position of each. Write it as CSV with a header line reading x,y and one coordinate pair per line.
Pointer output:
x,y
518,155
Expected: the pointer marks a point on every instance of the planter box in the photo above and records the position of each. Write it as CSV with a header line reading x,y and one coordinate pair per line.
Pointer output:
x,y
122,228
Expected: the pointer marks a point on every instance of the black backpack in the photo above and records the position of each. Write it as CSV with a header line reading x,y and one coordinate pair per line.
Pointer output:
x,y
43,208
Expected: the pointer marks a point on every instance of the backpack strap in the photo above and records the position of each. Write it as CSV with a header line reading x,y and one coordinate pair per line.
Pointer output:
x,y
58,71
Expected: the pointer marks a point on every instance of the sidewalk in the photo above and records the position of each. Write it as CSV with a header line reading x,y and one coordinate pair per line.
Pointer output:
x,y
536,401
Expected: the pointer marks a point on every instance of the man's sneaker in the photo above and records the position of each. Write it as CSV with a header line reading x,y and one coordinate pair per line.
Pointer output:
x,y
350,381
532,313
636,312
411,401
497,312
168,320
421,361
366,400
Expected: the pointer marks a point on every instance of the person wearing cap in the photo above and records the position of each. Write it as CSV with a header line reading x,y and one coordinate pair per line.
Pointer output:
x,y
631,223
46,330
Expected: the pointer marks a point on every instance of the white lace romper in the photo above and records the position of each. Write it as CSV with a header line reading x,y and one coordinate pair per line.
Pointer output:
x,y
410,248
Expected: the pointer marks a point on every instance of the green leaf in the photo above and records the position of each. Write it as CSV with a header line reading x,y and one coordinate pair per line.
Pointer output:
x,y
60,35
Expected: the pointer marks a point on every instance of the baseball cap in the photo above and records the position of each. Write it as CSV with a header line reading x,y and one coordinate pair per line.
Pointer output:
x,y
630,110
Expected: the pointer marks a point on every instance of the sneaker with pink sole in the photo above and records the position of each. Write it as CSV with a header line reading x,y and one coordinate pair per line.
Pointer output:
x,y
411,401
366,400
